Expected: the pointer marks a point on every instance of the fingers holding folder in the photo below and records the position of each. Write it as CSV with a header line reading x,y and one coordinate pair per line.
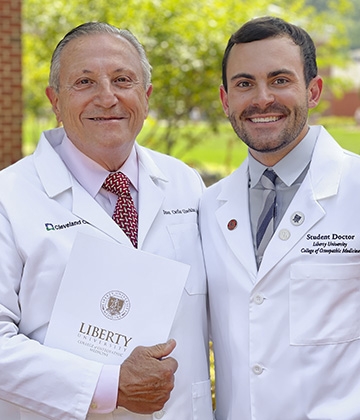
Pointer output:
x,y
147,378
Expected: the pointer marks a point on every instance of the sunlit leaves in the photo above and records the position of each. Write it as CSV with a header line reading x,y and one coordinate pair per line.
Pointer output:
x,y
184,41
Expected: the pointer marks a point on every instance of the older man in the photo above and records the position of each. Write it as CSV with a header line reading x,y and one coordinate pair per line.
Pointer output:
x,y
99,90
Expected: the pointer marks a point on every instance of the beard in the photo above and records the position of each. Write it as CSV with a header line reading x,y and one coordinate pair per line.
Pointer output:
x,y
263,140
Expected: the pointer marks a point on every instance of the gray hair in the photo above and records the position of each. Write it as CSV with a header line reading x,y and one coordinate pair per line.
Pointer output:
x,y
91,28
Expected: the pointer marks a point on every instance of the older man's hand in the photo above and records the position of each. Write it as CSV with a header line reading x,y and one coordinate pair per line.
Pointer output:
x,y
147,378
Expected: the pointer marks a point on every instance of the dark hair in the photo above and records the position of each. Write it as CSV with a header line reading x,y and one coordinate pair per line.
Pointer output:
x,y
91,28
271,27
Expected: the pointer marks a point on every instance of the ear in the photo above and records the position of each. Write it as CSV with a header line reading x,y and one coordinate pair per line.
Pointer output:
x,y
149,91
224,100
54,100
148,94
314,91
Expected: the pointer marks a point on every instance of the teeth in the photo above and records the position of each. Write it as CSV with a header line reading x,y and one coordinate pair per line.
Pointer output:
x,y
265,119
105,119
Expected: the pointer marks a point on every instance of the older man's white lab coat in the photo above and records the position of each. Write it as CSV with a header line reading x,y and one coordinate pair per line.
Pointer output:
x,y
39,382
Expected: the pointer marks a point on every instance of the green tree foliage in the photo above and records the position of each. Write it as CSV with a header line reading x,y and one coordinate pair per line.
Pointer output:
x,y
184,41
354,27
351,19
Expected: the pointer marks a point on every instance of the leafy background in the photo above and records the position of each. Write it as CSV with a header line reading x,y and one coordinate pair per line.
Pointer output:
x,y
184,41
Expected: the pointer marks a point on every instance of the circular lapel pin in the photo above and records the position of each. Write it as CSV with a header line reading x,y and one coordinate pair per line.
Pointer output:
x,y
232,224
297,218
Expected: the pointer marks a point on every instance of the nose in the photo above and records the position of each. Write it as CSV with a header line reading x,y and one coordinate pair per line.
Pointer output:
x,y
105,96
263,97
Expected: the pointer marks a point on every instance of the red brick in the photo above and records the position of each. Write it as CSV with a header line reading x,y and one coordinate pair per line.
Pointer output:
x,y
10,82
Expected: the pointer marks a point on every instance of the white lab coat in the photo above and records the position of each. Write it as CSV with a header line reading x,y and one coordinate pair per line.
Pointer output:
x,y
38,190
286,337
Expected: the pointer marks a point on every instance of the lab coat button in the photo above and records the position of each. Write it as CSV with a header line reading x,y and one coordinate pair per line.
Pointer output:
x,y
257,369
93,406
258,299
159,414
284,234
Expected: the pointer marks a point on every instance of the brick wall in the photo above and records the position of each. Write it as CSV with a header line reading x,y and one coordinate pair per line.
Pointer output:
x,y
345,106
10,82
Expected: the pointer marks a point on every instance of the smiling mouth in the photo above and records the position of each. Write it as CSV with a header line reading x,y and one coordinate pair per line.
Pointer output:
x,y
265,119
105,119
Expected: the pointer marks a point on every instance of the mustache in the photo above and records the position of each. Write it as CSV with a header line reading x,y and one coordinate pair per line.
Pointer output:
x,y
271,109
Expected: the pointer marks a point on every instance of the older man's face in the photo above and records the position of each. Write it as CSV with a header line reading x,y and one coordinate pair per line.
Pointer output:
x,y
102,102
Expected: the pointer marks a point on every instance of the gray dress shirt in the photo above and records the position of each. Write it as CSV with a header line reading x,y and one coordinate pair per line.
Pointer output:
x,y
291,170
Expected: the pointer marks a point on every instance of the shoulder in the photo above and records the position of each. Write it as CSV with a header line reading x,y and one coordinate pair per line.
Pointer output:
x,y
328,149
228,184
161,159
167,167
22,169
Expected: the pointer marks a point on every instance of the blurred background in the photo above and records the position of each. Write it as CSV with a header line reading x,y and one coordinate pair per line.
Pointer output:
x,y
184,41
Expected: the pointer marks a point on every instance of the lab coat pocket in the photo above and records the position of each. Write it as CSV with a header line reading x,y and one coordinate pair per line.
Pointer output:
x,y
202,403
324,303
186,240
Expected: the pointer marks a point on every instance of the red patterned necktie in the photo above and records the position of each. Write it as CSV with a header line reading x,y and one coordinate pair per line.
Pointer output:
x,y
125,214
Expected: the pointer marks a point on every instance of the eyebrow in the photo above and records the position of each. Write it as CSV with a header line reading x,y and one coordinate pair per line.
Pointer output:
x,y
281,71
269,75
242,76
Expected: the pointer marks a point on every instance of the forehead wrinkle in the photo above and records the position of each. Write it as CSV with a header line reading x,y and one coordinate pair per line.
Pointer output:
x,y
117,71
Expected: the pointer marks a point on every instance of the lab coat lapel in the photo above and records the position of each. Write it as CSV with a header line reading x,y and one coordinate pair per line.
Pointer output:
x,y
52,172
321,182
151,195
85,207
235,208
60,185
288,234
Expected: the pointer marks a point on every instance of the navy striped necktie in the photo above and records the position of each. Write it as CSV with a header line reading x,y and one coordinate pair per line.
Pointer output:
x,y
266,223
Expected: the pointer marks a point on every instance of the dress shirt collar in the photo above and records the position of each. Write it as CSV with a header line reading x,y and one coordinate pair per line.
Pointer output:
x,y
89,173
291,166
